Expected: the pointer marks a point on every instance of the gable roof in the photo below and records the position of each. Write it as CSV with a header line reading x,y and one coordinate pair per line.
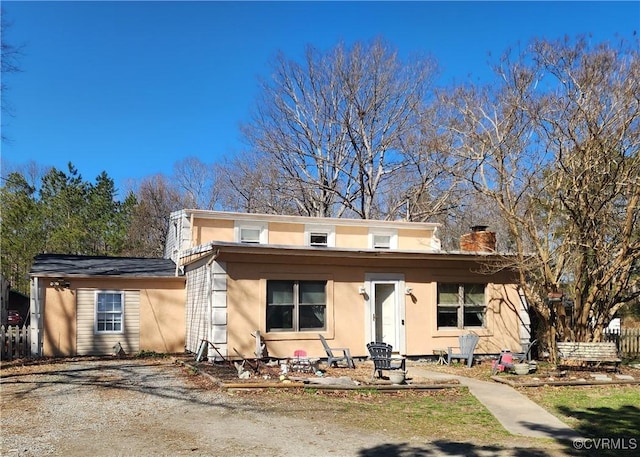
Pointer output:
x,y
80,265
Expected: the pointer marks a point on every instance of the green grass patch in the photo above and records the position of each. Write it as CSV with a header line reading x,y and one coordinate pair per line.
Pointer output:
x,y
594,411
426,415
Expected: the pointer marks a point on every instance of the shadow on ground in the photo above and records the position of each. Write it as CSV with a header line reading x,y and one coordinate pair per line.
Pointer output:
x,y
607,431
445,448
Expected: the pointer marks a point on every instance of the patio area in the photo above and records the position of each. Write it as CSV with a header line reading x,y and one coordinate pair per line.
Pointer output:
x,y
419,374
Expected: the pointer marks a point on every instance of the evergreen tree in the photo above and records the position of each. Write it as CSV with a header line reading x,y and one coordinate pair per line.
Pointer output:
x,y
21,230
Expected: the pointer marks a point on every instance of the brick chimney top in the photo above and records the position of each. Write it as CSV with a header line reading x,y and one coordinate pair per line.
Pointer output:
x,y
479,240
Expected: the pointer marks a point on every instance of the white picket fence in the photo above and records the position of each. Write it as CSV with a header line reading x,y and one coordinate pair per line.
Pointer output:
x,y
627,340
16,342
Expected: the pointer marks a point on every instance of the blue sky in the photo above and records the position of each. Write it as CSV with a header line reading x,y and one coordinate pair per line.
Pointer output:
x,y
131,88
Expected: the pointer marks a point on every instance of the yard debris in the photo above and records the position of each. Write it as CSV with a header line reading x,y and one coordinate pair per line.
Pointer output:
x,y
242,373
331,381
118,351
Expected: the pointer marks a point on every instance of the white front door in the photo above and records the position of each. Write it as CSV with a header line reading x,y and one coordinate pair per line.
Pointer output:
x,y
385,309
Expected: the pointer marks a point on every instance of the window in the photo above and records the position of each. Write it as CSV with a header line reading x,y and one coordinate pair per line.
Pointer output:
x,y
249,235
318,239
109,312
382,241
387,239
461,305
296,305
320,235
251,232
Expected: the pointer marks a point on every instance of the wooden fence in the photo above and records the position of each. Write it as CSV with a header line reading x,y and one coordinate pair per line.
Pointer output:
x,y
16,342
627,340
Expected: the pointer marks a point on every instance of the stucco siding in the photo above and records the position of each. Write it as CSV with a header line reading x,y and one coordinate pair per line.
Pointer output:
x,y
349,312
352,237
59,322
286,234
415,240
162,319
90,342
207,230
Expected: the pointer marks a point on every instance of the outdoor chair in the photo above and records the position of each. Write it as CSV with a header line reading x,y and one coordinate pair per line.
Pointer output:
x,y
381,355
467,345
334,359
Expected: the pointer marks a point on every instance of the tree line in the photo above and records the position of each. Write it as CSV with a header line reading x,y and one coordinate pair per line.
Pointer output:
x,y
545,153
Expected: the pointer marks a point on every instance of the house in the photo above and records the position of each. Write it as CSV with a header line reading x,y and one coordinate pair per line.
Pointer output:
x,y
227,275
83,305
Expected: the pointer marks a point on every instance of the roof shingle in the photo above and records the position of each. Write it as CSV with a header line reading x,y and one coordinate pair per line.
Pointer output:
x,y
63,264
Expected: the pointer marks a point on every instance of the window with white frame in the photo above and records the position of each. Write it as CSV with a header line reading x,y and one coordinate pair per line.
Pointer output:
x,y
461,305
320,235
296,305
318,239
383,239
109,312
252,233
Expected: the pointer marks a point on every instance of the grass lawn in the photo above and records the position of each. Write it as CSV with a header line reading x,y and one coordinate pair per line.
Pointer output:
x,y
455,422
451,419
594,411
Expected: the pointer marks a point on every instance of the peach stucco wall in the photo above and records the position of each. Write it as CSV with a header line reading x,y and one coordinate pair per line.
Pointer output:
x,y
162,317
205,230
352,237
162,314
59,335
286,234
414,240
347,318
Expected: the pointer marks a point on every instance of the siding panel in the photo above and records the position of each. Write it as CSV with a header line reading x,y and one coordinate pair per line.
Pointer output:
x,y
196,308
206,309
90,343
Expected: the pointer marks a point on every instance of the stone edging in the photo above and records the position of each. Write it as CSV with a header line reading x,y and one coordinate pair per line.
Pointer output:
x,y
299,385
303,385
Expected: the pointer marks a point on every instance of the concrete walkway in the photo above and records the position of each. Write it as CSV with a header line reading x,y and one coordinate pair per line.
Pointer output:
x,y
517,414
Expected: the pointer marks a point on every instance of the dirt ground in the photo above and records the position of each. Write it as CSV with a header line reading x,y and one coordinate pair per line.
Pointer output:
x,y
150,408
159,406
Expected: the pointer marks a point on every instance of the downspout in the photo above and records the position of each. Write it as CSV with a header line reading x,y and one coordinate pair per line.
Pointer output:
x,y
35,311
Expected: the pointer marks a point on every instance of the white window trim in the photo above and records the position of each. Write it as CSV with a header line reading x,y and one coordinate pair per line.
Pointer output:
x,y
392,234
328,229
297,306
263,227
95,312
461,308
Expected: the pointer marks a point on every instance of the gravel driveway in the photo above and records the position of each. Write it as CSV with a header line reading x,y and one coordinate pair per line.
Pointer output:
x,y
150,408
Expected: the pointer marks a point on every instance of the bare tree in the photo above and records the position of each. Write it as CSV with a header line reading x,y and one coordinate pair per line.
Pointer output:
x,y
427,187
554,145
331,128
250,184
9,57
197,182
591,122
